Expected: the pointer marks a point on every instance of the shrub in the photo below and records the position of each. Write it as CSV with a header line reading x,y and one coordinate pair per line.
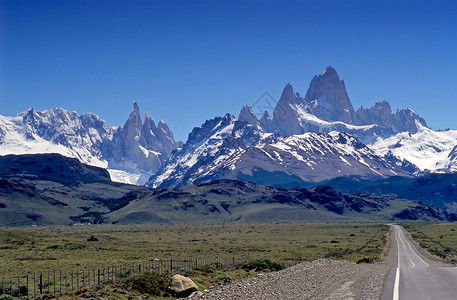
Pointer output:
x,y
365,260
151,284
261,265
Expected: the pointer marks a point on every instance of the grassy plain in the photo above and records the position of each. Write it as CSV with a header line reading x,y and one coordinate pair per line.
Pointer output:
x,y
35,249
444,233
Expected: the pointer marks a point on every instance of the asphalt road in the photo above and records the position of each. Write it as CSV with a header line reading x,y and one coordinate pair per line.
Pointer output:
x,y
416,277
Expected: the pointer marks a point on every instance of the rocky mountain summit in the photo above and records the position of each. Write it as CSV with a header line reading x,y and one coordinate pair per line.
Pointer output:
x,y
312,138
326,107
328,99
142,142
131,153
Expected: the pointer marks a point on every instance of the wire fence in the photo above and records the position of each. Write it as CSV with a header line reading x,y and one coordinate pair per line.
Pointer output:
x,y
33,285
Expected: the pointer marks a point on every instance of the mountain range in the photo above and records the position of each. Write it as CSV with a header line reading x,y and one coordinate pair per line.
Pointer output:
x,y
50,189
303,139
310,139
131,153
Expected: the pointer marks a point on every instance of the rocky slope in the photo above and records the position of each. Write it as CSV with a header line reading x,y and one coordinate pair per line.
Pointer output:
x,y
131,153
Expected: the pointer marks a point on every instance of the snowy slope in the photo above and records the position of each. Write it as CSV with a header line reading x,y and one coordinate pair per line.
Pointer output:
x,y
427,149
20,137
204,151
307,119
230,148
131,155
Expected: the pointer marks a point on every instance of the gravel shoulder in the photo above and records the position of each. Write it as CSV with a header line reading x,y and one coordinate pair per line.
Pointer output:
x,y
319,279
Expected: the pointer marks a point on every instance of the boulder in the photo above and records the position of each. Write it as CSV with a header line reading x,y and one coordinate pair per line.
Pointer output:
x,y
182,286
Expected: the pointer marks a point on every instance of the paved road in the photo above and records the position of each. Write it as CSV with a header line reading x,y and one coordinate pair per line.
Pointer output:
x,y
417,278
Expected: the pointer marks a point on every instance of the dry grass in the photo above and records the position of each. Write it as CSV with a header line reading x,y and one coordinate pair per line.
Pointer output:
x,y
35,249
444,233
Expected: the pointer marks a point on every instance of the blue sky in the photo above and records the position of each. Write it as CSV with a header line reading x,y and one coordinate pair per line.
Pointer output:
x,y
188,61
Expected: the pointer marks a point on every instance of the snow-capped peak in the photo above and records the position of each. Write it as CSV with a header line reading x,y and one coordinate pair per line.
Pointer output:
x,y
130,153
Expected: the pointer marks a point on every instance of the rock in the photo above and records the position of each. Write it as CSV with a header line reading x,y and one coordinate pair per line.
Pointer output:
x,y
182,286
92,239
195,295
228,279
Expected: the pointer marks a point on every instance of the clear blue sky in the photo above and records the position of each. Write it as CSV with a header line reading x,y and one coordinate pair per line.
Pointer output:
x,y
188,61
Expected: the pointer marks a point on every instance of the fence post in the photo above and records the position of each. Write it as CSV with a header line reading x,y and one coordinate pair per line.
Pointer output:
x,y
171,265
19,285
41,283
27,285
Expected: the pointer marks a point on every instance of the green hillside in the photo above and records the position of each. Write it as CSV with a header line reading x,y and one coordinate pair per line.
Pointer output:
x,y
50,189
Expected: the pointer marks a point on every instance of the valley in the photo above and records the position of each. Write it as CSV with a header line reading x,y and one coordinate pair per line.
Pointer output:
x,y
35,249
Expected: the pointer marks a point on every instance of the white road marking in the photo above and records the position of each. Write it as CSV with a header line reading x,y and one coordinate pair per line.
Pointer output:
x,y
397,275
397,285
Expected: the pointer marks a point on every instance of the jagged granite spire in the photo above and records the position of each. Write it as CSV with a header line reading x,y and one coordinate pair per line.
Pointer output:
x,y
247,115
328,100
135,107
285,116
140,142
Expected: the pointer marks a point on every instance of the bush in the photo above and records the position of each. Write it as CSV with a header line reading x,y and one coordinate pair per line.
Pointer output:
x,y
365,260
151,284
261,265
